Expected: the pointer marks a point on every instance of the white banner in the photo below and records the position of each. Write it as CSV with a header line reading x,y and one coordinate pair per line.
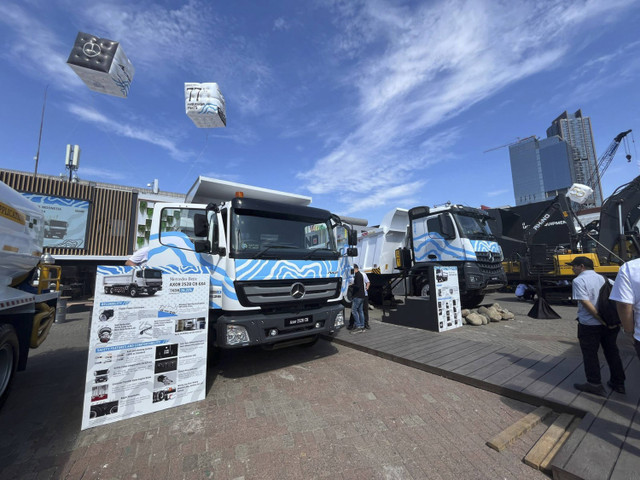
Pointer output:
x,y
147,343
448,298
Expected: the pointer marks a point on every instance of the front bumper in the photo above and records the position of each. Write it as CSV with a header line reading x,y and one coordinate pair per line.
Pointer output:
x,y
270,329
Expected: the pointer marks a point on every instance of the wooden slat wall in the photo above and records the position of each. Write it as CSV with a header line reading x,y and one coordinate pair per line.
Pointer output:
x,y
110,213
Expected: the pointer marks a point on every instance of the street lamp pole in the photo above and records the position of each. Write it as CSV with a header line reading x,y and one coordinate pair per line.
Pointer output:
x,y
37,157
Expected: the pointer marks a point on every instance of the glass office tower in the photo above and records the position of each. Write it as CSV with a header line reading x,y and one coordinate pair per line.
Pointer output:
x,y
576,131
540,168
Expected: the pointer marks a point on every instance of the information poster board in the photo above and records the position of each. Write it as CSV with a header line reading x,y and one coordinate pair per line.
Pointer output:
x,y
65,220
147,343
447,297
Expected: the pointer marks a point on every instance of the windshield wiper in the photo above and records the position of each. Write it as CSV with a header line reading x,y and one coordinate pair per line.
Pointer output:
x,y
269,247
312,252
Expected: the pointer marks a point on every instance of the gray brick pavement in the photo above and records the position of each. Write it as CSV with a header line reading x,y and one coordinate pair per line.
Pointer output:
x,y
322,412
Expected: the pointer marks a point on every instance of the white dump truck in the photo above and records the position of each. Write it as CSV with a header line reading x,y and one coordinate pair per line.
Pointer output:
x,y
27,311
278,267
396,254
138,281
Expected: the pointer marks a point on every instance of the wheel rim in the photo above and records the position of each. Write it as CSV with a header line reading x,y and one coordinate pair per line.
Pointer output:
x,y
425,290
6,366
132,292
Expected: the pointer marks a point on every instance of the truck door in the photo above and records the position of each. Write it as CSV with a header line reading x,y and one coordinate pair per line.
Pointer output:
x,y
185,246
434,239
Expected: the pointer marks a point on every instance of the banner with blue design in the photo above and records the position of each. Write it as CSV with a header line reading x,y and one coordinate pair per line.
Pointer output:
x,y
65,220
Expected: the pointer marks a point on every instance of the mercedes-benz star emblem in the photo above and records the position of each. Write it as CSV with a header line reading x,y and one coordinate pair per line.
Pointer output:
x,y
91,49
297,290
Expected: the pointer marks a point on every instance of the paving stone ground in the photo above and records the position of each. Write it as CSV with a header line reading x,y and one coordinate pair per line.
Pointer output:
x,y
326,411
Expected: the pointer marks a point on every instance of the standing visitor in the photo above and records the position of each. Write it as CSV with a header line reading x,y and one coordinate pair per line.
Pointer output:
x,y
626,293
592,332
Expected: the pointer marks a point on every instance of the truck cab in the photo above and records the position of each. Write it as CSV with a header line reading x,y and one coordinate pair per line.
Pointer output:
x,y
456,235
277,270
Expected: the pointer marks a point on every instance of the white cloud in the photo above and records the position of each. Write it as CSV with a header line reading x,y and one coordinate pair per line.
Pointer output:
x,y
129,131
434,62
35,49
496,193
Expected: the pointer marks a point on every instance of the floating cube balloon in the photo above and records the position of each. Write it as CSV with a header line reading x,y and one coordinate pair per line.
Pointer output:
x,y
579,193
101,64
205,105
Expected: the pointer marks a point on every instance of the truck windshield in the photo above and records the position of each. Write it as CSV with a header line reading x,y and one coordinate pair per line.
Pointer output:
x,y
274,236
152,273
472,227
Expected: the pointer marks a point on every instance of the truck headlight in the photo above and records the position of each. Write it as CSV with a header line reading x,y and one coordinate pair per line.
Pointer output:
x,y
339,321
236,334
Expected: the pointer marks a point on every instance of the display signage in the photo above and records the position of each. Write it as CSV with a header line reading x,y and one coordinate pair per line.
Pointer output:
x,y
447,297
65,220
147,343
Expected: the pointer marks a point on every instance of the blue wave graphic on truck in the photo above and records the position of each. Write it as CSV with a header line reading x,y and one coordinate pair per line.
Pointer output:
x,y
283,269
435,244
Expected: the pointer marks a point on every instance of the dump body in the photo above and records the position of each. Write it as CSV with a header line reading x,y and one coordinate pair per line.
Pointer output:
x,y
26,312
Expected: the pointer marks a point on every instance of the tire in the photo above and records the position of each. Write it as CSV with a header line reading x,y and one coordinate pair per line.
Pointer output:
x,y
9,351
471,300
133,291
106,290
422,287
152,293
347,299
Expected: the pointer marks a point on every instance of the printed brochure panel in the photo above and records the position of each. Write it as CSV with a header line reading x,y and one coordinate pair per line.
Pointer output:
x,y
148,351
448,298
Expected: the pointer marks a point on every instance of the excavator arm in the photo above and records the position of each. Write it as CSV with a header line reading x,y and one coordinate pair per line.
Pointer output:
x,y
618,217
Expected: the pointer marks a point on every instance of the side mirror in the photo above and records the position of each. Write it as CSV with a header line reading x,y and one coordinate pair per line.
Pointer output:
x,y
219,251
352,252
447,228
200,225
353,237
202,246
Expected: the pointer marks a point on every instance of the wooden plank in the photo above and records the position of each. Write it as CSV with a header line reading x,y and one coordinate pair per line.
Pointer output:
x,y
434,346
450,350
520,382
598,451
483,361
545,466
516,369
564,392
554,377
457,354
470,357
435,350
548,440
515,431
505,361
628,464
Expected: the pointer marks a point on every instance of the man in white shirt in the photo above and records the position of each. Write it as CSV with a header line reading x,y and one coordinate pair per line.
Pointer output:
x,y
626,293
592,332
138,258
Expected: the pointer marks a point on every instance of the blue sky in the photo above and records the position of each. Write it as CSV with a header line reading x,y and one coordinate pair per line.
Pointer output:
x,y
363,105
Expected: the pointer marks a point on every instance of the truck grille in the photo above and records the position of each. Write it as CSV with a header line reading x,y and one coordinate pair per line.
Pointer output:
x,y
267,293
489,262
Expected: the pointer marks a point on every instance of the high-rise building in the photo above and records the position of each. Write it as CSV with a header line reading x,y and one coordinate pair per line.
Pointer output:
x,y
540,168
576,131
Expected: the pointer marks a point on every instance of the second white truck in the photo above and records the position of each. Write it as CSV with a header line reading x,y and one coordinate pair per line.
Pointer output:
x,y
396,254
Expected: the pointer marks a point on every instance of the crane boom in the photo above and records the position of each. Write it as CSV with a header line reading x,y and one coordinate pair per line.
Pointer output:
x,y
606,158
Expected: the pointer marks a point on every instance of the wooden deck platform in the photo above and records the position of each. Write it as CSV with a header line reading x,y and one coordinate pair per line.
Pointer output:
x,y
606,444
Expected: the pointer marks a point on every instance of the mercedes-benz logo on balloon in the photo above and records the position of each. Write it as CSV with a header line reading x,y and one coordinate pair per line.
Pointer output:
x,y
91,49
297,290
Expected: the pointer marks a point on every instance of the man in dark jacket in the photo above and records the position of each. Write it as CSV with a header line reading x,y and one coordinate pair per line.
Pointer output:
x,y
357,300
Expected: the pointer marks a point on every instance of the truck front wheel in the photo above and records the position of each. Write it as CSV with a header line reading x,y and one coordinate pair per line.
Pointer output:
x,y
9,350
133,291
471,300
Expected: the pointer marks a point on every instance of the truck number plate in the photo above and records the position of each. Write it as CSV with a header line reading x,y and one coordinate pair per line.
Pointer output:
x,y
292,322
